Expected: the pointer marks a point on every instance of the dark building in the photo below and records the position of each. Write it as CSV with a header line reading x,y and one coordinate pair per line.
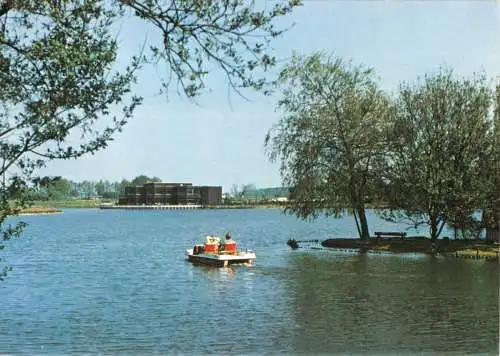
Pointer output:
x,y
171,194
210,195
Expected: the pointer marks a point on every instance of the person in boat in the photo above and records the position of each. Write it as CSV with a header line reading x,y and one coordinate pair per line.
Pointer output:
x,y
229,245
212,244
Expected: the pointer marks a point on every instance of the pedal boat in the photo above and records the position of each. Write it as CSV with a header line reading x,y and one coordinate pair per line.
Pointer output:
x,y
209,254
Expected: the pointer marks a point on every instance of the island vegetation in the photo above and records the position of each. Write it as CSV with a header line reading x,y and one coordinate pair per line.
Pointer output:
x,y
426,155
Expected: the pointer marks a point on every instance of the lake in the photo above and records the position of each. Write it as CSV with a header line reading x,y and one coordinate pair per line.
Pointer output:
x,y
116,282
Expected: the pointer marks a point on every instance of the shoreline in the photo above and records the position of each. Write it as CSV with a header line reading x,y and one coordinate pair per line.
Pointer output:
x,y
473,249
37,210
186,207
97,204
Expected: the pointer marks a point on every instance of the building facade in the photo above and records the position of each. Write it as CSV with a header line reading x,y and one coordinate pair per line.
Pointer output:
x,y
160,193
210,195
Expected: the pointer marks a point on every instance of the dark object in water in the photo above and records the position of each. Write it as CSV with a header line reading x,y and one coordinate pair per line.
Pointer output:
x,y
293,244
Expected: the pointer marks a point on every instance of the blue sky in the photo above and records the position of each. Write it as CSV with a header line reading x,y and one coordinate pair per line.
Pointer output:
x,y
220,141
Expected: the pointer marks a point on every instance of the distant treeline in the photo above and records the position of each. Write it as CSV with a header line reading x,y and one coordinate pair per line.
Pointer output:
x,y
60,188
275,192
250,191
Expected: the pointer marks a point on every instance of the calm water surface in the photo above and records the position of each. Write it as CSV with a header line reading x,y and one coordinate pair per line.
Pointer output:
x,y
116,282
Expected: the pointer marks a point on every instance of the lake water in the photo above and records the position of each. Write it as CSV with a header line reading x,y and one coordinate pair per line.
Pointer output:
x,y
116,282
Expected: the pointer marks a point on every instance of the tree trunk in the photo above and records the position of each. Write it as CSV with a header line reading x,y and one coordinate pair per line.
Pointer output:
x,y
365,232
493,235
433,227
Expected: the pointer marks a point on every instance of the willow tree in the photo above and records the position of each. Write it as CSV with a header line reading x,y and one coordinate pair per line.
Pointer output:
x,y
61,95
440,134
330,137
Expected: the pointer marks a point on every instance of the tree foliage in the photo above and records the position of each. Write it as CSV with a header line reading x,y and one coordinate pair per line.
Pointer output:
x,y
49,188
441,133
56,82
232,35
142,179
429,155
330,136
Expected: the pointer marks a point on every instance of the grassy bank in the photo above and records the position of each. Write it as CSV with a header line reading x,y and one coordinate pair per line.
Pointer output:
x,y
466,248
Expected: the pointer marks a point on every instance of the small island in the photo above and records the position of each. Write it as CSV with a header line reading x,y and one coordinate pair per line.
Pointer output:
x,y
468,248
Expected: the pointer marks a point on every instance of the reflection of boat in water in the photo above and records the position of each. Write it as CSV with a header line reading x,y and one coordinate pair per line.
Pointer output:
x,y
210,253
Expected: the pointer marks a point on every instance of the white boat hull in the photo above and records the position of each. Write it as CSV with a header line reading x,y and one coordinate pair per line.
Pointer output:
x,y
221,259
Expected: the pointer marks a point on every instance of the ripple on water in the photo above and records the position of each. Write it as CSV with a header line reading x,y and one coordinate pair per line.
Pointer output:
x,y
116,282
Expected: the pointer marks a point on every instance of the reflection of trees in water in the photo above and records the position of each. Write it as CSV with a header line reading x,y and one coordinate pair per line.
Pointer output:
x,y
392,304
460,304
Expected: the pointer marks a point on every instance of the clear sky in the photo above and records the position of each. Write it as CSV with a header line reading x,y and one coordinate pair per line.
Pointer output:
x,y
220,141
